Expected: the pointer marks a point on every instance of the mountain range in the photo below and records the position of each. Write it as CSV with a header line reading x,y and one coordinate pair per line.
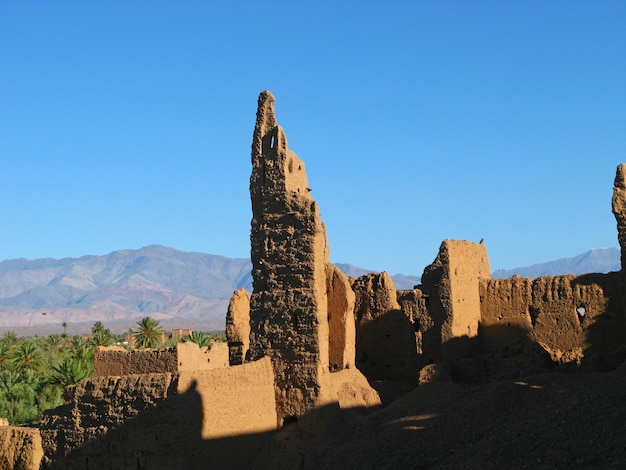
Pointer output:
x,y
180,289
599,260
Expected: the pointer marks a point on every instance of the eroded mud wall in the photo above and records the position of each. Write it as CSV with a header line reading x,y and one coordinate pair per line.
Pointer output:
x,y
288,306
385,337
577,319
20,448
163,421
341,323
451,287
188,356
238,327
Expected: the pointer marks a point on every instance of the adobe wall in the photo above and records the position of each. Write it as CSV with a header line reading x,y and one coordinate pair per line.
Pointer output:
x,y
385,337
575,318
414,304
20,448
505,311
341,323
288,306
238,327
215,357
160,421
115,360
188,356
451,285
181,332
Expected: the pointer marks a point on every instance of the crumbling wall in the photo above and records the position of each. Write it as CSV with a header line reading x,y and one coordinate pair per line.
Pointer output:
x,y
385,337
238,327
505,312
414,304
160,421
341,323
20,448
216,357
181,332
575,318
288,306
116,361
451,284
618,204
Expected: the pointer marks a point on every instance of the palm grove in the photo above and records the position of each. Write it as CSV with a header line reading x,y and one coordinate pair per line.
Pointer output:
x,y
35,371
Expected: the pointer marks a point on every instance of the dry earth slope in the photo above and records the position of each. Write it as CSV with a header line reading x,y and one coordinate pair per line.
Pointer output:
x,y
549,421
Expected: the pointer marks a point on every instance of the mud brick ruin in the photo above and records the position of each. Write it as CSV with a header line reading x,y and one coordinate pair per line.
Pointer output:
x,y
309,338
294,302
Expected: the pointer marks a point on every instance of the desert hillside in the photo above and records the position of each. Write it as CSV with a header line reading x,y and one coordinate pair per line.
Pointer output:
x,y
554,420
180,289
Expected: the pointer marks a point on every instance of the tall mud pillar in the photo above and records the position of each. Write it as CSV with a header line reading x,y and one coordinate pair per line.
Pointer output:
x,y
288,306
619,211
619,208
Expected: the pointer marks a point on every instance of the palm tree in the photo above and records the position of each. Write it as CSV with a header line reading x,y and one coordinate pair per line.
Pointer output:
x,y
5,356
97,326
78,342
71,371
54,341
9,339
201,339
102,338
8,378
19,404
64,328
148,333
27,356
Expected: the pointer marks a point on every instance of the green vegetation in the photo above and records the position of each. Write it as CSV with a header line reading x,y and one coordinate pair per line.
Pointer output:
x,y
148,333
201,339
35,371
27,376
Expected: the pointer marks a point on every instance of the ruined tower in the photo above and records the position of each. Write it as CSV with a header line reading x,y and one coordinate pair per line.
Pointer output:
x,y
619,208
288,306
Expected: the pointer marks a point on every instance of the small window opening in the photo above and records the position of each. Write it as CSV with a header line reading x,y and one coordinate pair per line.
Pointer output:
x,y
273,142
289,419
581,313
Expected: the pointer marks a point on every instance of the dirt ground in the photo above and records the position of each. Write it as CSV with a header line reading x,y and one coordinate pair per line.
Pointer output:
x,y
555,420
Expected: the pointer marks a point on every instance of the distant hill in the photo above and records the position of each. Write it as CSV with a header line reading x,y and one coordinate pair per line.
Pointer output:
x,y
179,289
400,281
601,260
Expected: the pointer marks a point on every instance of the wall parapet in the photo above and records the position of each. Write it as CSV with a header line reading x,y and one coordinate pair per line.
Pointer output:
x,y
188,356
575,318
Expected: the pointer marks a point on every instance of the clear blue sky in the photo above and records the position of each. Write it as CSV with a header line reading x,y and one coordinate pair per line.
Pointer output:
x,y
129,123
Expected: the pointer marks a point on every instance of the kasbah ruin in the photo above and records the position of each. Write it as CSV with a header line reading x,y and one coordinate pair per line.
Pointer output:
x,y
327,371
